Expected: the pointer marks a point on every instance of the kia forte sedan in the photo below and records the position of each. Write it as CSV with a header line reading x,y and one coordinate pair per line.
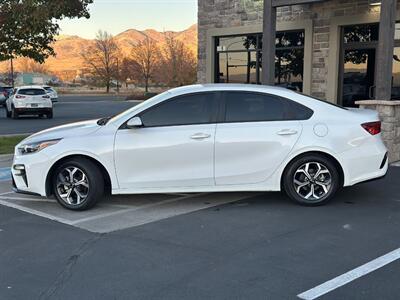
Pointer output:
x,y
206,138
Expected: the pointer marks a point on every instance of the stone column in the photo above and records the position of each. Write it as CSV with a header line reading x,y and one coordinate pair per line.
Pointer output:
x,y
389,112
384,60
269,36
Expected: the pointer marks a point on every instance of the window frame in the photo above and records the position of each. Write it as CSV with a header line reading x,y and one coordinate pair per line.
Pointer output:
x,y
287,106
258,50
213,117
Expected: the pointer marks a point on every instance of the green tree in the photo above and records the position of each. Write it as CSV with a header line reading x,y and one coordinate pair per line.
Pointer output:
x,y
28,27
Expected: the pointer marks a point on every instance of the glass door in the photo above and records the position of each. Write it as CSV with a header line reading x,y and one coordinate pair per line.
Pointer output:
x,y
358,75
357,63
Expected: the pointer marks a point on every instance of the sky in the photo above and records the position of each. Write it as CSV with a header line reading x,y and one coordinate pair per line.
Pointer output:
x,y
116,16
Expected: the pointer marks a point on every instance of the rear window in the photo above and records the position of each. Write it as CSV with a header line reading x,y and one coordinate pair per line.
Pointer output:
x,y
32,92
321,100
48,88
260,107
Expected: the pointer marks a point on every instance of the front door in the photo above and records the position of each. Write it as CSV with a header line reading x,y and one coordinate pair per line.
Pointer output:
x,y
174,148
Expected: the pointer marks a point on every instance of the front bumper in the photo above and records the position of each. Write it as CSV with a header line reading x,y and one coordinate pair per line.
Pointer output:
x,y
32,180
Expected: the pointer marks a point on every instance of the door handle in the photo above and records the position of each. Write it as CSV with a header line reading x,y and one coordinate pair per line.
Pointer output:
x,y
200,136
287,132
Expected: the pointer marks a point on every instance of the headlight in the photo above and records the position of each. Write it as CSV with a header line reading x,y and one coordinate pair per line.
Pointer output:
x,y
36,147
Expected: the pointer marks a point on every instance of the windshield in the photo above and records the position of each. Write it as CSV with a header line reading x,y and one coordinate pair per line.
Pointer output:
x,y
129,111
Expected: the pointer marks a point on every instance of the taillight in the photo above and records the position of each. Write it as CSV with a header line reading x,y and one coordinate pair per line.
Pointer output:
x,y
372,127
19,97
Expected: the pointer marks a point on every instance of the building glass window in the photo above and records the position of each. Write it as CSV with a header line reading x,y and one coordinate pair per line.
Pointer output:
x,y
361,33
396,65
239,59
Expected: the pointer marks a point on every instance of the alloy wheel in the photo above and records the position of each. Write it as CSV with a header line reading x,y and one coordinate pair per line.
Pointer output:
x,y
72,185
312,181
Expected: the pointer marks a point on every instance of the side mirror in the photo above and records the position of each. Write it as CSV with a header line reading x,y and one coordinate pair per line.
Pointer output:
x,y
134,123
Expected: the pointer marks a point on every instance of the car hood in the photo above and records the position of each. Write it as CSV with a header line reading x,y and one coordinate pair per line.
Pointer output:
x,y
64,131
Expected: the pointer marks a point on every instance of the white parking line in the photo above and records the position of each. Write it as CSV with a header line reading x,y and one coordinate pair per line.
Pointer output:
x,y
27,199
7,193
354,274
35,212
99,216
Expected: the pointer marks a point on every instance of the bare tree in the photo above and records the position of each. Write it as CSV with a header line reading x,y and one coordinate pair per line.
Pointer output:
x,y
145,54
26,65
101,58
178,63
127,70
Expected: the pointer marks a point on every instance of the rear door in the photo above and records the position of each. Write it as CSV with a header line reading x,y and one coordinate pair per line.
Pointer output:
x,y
257,133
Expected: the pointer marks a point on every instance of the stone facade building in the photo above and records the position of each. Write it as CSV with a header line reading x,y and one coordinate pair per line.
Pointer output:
x,y
337,50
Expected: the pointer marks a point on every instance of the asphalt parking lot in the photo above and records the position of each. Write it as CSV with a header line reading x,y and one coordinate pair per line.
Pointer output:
x,y
67,110
203,246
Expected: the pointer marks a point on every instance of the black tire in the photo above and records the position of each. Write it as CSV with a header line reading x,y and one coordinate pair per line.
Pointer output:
x,y
50,115
295,174
14,114
41,115
95,191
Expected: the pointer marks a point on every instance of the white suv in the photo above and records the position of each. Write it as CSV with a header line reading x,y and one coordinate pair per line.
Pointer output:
x,y
29,100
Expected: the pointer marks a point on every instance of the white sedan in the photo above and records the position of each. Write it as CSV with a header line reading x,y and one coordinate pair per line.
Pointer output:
x,y
207,138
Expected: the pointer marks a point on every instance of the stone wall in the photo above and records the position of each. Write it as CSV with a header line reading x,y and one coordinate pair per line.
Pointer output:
x,y
232,13
389,112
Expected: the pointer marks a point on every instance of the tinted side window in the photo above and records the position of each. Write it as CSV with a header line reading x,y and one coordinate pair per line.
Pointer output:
x,y
253,107
182,110
32,92
296,111
256,107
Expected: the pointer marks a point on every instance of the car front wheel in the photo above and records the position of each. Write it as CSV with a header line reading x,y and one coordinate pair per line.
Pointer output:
x,y
78,184
311,180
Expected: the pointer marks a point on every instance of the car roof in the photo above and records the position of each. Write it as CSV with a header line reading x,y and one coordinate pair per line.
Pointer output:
x,y
227,86
30,87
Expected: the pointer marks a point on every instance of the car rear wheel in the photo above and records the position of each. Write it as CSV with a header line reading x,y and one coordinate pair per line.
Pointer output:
x,y
311,180
78,184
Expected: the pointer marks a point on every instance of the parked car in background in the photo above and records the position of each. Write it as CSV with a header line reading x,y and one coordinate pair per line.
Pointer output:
x,y
52,93
5,93
207,138
29,100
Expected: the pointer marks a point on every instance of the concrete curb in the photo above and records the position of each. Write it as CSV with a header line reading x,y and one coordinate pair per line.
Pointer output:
x,y
93,95
6,157
16,134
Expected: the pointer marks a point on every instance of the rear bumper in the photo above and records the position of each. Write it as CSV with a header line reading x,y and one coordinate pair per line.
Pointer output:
x,y
33,111
366,163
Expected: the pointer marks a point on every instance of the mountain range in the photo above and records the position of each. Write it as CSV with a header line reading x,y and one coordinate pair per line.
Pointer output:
x,y
68,48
